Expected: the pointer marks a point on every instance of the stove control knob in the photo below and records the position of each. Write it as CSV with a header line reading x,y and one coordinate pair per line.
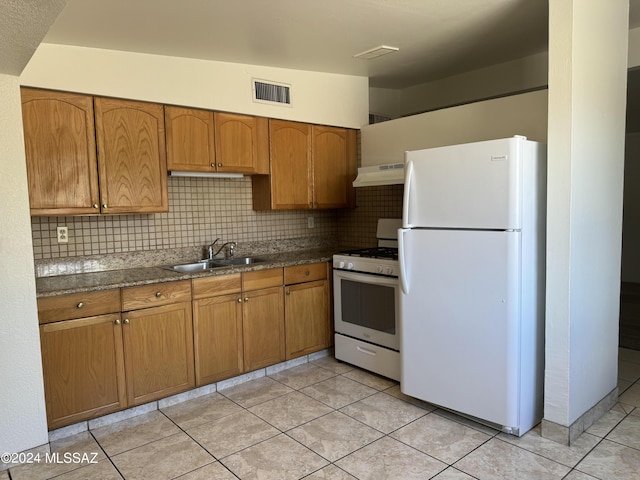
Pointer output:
x,y
350,266
379,269
389,270
341,264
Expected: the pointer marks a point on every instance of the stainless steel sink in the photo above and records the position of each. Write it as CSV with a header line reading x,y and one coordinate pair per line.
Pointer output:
x,y
203,266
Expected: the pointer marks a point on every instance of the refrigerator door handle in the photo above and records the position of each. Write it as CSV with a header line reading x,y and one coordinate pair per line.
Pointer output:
x,y
407,193
404,285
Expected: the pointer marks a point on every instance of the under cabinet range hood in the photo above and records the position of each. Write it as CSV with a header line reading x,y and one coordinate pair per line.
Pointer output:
x,y
392,174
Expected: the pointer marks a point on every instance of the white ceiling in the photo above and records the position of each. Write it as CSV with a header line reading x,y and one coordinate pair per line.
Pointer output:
x,y
436,38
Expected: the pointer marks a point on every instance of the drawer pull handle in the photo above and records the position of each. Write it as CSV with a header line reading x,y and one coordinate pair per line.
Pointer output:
x,y
307,272
158,294
126,321
80,305
117,322
364,350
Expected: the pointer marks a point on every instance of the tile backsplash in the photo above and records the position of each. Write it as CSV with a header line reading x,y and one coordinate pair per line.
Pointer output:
x,y
202,210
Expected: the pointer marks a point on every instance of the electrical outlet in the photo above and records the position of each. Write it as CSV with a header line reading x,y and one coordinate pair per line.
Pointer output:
x,y
311,223
63,234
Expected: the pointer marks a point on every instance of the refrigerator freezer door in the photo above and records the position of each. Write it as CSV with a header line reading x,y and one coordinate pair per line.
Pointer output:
x,y
459,323
474,185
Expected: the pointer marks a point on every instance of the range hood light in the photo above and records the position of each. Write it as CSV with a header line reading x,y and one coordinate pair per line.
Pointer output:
x,y
205,174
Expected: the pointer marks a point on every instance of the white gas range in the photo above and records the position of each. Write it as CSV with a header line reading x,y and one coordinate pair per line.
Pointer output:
x,y
366,295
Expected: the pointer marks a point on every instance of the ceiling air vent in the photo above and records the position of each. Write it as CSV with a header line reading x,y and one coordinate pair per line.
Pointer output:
x,y
271,92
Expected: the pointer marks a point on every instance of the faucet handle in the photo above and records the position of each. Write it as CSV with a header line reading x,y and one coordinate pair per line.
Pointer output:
x,y
232,249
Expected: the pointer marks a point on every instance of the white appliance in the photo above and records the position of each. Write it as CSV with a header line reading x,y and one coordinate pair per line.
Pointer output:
x,y
471,254
366,304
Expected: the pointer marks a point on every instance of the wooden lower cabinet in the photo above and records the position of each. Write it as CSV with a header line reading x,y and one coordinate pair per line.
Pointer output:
x,y
158,352
306,309
83,368
263,327
217,323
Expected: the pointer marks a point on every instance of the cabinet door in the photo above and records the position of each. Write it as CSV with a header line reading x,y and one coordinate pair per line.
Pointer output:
x,y
158,350
217,324
263,328
241,143
290,153
190,139
83,368
334,166
131,156
306,318
60,148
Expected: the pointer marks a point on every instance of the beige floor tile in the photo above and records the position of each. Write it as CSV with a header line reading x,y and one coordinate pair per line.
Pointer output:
x,y
338,392
566,455
440,437
623,386
370,380
607,422
383,412
169,457
255,392
396,392
232,433
279,458
497,460
611,461
134,432
302,375
290,410
333,365
4,475
103,470
576,475
628,355
389,459
627,433
81,444
201,410
330,472
628,370
213,471
334,435
631,396
452,474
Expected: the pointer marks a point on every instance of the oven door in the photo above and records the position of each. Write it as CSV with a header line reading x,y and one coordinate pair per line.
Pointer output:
x,y
367,307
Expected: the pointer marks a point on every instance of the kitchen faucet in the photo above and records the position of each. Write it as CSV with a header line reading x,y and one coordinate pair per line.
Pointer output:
x,y
231,251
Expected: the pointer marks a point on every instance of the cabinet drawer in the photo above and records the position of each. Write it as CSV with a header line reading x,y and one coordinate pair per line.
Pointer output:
x,y
262,279
134,298
78,305
219,285
305,273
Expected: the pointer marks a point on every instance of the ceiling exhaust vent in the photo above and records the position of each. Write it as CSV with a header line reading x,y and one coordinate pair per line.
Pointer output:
x,y
271,92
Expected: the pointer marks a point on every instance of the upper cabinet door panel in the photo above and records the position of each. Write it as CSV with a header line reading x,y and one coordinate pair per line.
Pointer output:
x,y
60,151
241,143
330,167
291,181
131,156
190,139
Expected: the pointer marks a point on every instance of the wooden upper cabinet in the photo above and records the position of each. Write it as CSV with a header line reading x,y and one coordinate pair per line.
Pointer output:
x,y
242,143
312,166
60,151
190,139
334,166
131,156
205,141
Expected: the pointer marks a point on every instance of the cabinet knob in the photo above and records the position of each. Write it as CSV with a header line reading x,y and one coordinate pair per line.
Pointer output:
x,y
96,206
126,321
239,300
158,294
246,299
213,165
80,305
219,164
307,272
288,292
117,322
104,205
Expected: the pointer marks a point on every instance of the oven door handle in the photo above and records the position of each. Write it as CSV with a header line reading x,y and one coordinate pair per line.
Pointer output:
x,y
404,284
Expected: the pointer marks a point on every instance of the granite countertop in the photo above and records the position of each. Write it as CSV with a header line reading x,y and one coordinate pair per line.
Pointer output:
x,y
49,286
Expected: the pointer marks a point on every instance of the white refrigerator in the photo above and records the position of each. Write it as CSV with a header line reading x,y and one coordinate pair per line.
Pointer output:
x,y
471,254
